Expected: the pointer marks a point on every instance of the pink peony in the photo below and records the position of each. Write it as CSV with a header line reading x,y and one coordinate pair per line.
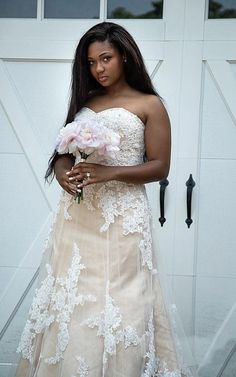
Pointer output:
x,y
87,136
67,139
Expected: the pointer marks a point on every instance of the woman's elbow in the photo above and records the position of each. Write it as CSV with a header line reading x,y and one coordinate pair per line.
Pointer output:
x,y
162,171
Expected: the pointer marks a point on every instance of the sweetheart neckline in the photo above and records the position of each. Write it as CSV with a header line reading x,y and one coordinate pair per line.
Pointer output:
x,y
116,108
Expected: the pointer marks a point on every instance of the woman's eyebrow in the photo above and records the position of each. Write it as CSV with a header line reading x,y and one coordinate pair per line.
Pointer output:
x,y
102,53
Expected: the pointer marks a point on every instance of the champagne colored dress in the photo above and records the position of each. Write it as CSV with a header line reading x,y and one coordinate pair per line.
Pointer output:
x,y
98,310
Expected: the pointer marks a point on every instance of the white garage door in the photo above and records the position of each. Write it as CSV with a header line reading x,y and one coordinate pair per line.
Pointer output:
x,y
192,62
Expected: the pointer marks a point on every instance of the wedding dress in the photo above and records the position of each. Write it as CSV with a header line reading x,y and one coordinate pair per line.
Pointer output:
x,y
99,310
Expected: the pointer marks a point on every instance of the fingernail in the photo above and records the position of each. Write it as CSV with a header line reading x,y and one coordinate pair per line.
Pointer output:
x,y
67,172
70,178
79,186
79,190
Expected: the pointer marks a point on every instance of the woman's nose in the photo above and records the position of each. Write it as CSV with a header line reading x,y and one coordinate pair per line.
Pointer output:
x,y
99,67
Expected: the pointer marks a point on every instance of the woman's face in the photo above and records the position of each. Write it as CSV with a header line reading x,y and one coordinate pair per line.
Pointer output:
x,y
106,63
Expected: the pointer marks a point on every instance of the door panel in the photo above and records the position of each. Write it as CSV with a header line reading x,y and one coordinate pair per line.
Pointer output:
x,y
215,239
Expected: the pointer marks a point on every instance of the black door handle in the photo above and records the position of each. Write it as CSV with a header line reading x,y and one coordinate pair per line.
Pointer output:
x,y
163,183
190,185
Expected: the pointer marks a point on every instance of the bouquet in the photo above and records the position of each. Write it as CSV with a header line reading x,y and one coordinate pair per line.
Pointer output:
x,y
86,136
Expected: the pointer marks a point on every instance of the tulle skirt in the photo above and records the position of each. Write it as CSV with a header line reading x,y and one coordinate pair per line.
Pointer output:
x,y
99,309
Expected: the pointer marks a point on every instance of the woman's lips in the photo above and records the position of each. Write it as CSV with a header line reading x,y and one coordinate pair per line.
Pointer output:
x,y
102,78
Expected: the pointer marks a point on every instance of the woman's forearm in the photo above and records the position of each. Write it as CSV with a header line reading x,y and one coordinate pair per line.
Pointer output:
x,y
63,164
148,172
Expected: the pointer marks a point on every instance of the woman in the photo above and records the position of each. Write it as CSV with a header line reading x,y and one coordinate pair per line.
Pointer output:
x,y
99,309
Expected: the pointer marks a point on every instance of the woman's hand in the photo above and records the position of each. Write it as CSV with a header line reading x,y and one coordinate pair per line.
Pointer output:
x,y
84,173
62,167
63,180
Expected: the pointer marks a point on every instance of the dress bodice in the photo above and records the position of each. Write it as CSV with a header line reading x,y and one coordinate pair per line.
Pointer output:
x,y
115,198
130,129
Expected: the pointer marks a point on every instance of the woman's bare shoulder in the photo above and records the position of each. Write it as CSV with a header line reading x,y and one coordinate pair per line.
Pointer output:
x,y
153,101
150,106
153,110
154,106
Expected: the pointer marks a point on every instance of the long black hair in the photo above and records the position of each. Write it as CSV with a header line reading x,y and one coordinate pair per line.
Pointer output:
x,y
84,85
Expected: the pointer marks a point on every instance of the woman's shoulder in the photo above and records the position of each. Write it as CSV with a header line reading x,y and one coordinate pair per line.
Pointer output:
x,y
152,99
152,105
148,99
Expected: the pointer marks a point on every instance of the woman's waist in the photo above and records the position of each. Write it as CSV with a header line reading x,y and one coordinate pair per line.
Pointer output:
x,y
114,191
115,160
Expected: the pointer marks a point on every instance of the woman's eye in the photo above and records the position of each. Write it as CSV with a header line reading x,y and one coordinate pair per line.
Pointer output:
x,y
106,58
90,62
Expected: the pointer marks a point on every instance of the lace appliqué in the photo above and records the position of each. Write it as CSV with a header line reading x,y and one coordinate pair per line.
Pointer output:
x,y
39,317
152,362
67,199
182,366
49,240
108,323
154,367
165,372
83,368
130,202
60,295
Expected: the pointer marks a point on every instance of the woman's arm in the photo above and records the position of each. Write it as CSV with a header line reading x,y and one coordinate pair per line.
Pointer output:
x,y
157,146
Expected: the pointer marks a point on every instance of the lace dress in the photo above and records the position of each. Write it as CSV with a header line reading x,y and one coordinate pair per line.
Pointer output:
x,y
98,310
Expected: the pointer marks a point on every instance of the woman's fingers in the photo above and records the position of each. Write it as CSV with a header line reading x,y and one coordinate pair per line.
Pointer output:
x,y
78,177
81,172
75,170
81,169
85,182
72,189
68,186
87,173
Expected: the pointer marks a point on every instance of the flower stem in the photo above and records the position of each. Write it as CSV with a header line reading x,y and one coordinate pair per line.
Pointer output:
x,y
80,195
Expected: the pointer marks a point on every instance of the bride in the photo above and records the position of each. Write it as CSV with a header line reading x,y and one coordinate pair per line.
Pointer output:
x,y
99,309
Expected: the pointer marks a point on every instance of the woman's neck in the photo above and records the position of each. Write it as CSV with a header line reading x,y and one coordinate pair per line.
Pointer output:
x,y
117,89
